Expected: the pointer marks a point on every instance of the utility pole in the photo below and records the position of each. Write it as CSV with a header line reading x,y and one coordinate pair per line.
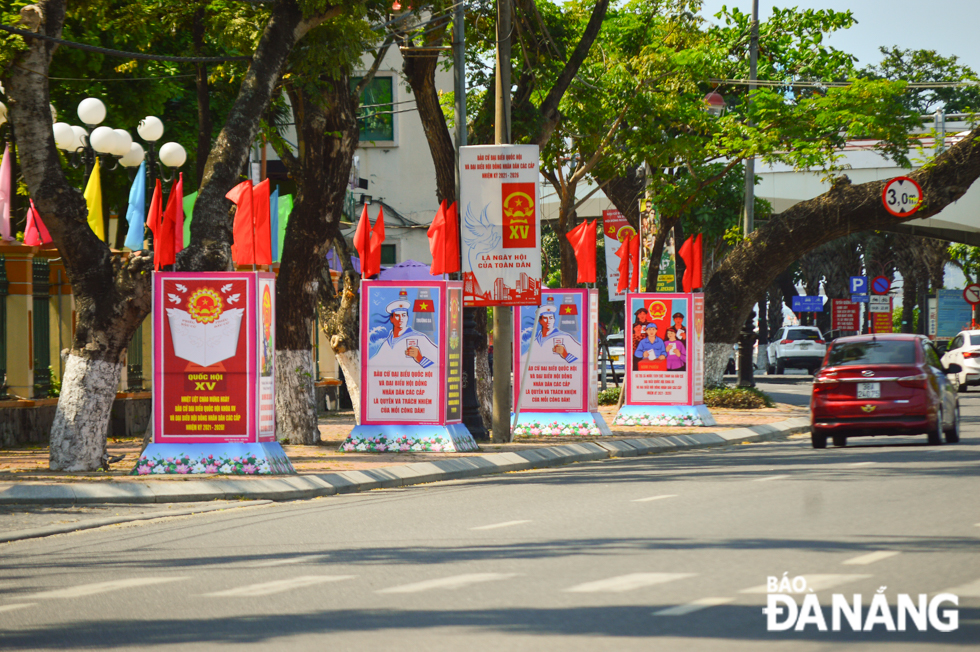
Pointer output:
x,y
471,402
502,318
745,358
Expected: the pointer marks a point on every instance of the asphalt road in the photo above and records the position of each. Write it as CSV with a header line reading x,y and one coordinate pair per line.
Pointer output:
x,y
663,552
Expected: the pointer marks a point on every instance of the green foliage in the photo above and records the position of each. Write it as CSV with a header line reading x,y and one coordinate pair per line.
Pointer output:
x,y
897,319
736,398
921,66
609,396
967,258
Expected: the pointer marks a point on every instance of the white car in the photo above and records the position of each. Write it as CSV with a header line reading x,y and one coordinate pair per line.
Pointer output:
x,y
796,347
617,353
964,350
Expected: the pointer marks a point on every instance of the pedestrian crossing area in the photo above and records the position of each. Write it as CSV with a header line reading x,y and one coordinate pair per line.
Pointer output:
x,y
654,588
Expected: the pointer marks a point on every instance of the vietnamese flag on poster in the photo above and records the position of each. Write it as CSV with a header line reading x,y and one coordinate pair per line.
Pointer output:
x,y
569,309
423,305
519,215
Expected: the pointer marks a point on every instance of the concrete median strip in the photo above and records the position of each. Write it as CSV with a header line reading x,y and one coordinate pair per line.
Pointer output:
x,y
311,485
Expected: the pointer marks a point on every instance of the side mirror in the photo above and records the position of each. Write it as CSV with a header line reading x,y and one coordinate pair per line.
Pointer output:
x,y
953,368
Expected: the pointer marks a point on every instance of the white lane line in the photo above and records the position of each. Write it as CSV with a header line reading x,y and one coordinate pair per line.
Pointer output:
x,y
278,586
13,607
104,587
497,525
288,560
815,582
627,582
646,500
453,582
861,463
691,607
971,590
771,477
870,558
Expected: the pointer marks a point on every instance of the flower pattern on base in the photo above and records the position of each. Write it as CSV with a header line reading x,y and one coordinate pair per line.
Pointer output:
x,y
404,444
658,419
211,464
537,428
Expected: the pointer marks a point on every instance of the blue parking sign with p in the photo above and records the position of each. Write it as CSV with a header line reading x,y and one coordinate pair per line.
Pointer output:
x,y
859,285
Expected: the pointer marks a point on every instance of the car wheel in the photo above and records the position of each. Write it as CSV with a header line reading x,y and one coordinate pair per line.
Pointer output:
x,y
818,441
953,434
936,434
771,370
780,367
840,441
961,387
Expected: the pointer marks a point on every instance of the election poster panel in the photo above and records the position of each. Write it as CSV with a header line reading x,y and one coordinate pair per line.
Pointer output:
x,y
615,229
660,368
204,361
500,225
402,352
454,359
554,346
697,359
267,356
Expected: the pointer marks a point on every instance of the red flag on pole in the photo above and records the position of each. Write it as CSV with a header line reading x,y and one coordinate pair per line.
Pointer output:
x,y
377,237
437,241
262,240
165,246
698,265
362,241
243,236
635,257
686,253
156,210
36,233
452,240
582,239
624,264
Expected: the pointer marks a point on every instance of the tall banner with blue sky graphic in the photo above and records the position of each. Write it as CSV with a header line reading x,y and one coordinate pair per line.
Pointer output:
x,y
500,209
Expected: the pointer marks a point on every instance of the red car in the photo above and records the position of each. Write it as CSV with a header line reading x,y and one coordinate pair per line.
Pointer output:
x,y
889,384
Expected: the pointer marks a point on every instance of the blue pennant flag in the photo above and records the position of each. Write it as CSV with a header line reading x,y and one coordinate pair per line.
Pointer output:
x,y
136,212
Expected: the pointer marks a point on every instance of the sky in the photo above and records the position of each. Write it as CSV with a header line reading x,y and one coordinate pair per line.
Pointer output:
x,y
947,27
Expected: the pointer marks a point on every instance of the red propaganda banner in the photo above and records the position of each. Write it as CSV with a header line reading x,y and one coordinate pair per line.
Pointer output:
x,y
519,215
845,315
881,322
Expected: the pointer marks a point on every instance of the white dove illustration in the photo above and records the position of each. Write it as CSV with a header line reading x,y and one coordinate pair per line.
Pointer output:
x,y
480,235
173,297
182,288
233,298
226,288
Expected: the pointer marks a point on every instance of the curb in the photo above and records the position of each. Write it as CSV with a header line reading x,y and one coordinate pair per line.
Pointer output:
x,y
299,487
785,379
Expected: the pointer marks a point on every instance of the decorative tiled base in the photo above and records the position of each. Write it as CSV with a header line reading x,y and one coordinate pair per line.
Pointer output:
x,y
214,459
562,424
664,415
408,438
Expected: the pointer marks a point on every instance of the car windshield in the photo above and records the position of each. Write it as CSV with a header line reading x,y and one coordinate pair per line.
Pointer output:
x,y
802,334
872,352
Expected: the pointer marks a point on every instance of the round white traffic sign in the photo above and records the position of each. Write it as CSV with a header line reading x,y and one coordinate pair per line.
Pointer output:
x,y
972,293
901,196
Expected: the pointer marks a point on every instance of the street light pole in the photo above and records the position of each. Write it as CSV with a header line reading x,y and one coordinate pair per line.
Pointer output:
x,y
502,319
747,338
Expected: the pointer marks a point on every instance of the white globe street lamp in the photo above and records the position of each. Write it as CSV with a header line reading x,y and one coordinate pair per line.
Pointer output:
x,y
173,155
91,111
150,129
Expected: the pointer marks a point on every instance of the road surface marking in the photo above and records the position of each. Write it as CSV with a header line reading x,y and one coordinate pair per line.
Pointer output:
x,y
691,607
870,558
278,586
12,607
627,582
646,500
861,463
104,587
971,590
815,582
496,525
771,477
288,560
453,582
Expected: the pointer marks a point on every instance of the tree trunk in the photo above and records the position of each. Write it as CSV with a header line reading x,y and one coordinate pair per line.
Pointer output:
x,y
112,294
211,228
844,209
625,192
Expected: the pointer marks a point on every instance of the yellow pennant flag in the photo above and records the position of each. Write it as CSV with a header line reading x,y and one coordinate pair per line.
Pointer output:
x,y
93,199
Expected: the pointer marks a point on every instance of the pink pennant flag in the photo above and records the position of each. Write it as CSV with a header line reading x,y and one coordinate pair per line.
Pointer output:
x,y
36,234
6,193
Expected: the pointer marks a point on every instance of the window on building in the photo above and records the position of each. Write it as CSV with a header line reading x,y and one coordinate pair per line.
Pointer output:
x,y
388,254
375,118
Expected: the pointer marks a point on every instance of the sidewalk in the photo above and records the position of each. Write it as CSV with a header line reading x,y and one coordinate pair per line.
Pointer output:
x,y
323,470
